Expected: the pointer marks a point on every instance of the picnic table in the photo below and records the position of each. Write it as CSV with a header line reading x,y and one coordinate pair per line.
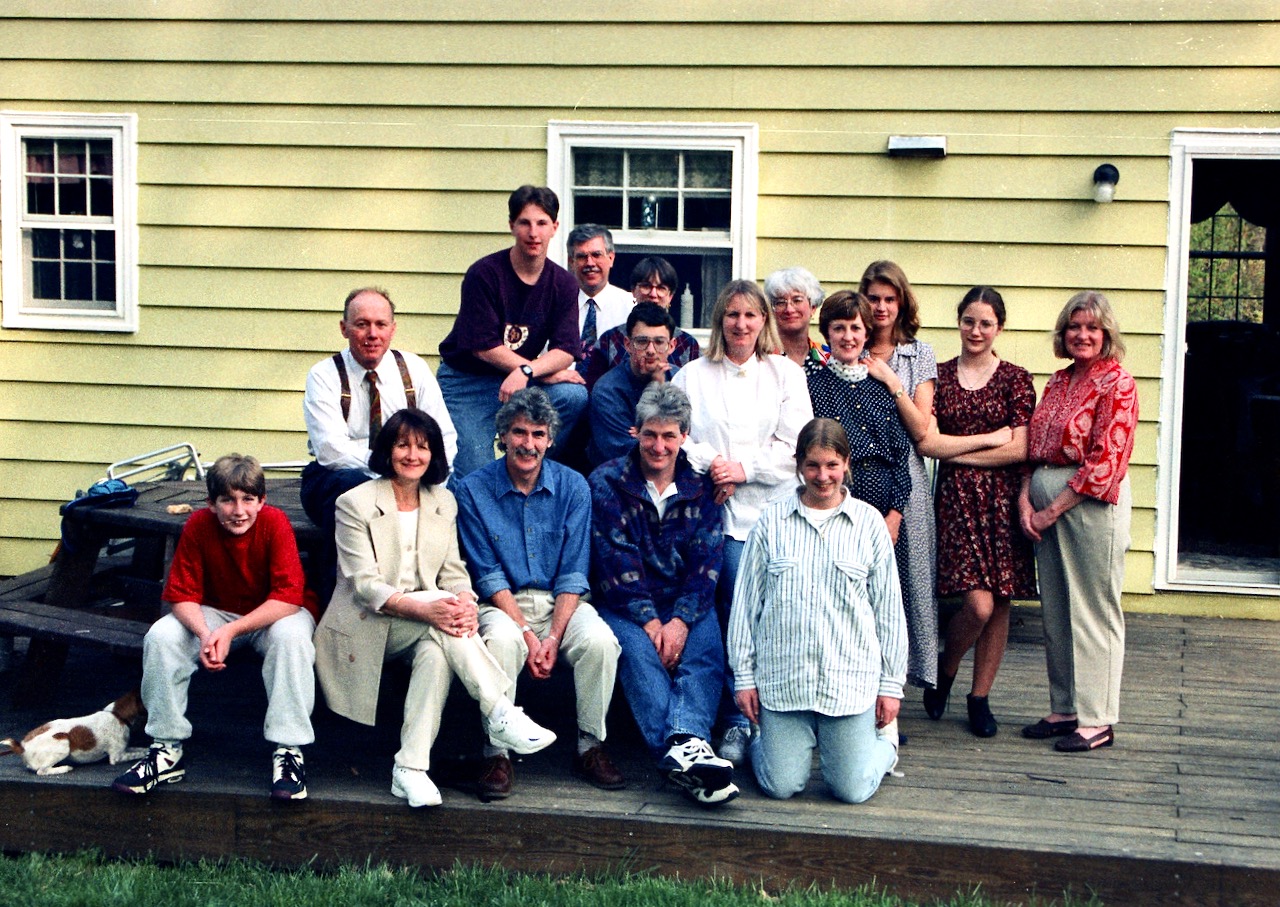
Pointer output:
x,y
104,583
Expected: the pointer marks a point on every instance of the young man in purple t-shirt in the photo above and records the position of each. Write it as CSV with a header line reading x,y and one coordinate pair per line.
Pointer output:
x,y
517,325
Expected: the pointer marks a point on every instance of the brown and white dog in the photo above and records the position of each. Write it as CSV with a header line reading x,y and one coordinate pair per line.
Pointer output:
x,y
87,739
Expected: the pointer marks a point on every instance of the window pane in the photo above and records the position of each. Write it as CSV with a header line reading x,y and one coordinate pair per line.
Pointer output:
x,y
39,155
79,280
706,213
605,210
655,169
100,162
104,245
105,274
76,243
647,211
71,197
39,195
71,157
45,244
101,202
46,280
707,169
597,168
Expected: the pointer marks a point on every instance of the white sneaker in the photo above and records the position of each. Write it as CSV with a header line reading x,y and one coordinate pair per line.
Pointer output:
x,y
695,757
733,746
702,795
890,732
514,730
412,784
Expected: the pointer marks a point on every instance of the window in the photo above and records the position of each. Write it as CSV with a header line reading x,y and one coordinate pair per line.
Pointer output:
x,y
1227,269
685,191
69,221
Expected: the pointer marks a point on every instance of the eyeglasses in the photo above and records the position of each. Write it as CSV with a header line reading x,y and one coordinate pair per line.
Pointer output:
x,y
594,256
969,324
796,302
647,288
659,344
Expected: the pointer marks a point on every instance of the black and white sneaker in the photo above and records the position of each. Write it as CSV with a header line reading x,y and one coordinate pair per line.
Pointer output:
x,y
695,758
161,765
288,777
703,796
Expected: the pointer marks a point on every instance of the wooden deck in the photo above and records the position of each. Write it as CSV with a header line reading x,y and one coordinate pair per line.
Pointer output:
x,y
1184,809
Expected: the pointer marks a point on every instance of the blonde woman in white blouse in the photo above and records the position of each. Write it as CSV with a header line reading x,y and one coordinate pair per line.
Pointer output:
x,y
749,405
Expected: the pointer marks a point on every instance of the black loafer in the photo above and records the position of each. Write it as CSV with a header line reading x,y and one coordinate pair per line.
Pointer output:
x,y
1043,730
1078,744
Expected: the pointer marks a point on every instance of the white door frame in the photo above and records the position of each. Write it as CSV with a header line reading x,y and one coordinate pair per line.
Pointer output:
x,y
1186,146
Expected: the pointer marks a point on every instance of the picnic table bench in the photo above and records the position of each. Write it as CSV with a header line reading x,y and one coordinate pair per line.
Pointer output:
x,y
103,586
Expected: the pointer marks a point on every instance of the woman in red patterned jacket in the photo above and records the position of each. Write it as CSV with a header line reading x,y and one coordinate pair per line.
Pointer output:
x,y
1076,508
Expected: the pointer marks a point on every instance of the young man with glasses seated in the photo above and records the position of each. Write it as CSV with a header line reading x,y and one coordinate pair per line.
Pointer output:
x,y
653,279
649,330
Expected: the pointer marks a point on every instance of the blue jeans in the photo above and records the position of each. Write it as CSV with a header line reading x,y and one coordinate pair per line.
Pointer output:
x,y
852,758
681,702
730,715
472,401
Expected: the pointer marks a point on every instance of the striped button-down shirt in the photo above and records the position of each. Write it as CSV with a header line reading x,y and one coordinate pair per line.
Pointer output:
x,y
817,621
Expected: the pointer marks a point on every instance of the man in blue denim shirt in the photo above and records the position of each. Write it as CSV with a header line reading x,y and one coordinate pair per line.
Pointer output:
x,y
657,545
525,527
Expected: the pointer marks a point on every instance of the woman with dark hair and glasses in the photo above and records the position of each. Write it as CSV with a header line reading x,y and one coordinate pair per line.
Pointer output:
x,y
403,593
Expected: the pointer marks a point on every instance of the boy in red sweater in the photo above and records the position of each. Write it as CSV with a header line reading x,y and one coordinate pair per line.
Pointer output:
x,y
235,579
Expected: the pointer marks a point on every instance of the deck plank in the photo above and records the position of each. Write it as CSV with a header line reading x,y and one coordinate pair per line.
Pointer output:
x,y
1184,809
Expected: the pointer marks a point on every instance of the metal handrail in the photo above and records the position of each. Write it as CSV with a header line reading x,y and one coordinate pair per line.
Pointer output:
x,y
175,465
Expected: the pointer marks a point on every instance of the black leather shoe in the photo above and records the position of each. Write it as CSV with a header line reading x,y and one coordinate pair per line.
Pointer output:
x,y
935,700
1078,744
981,721
1043,730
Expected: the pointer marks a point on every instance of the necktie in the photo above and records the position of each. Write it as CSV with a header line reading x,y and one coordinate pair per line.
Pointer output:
x,y
589,327
375,406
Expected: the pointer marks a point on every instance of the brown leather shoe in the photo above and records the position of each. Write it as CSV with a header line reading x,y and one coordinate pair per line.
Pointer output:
x,y
595,766
496,780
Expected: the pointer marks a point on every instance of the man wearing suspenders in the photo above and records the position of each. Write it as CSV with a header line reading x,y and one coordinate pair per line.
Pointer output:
x,y
349,396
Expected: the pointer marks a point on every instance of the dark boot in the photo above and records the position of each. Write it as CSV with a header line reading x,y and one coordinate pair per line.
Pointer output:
x,y
935,700
981,721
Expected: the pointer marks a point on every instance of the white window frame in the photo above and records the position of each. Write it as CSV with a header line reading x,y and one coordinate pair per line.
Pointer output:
x,y
122,130
1186,146
741,139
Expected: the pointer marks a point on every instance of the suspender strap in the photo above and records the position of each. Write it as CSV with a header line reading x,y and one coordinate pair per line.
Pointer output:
x,y
346,385
410,396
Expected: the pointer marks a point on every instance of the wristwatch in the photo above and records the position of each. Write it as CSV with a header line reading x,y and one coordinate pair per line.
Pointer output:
x,y
527,371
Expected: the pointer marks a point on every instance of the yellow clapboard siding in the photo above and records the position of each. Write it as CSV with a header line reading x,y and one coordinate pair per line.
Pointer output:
x,y
960,176
666,11
322,291
441,169
22,554
1198,604
91,448
301,207
1242,89
347,250
225,408
1115,268
596,42
1078,221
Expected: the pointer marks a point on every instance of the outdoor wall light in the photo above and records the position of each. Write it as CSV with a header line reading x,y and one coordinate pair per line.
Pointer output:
x,y
917,146
1104,183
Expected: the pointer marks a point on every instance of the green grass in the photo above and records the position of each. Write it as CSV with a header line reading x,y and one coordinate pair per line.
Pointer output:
x,y
93,881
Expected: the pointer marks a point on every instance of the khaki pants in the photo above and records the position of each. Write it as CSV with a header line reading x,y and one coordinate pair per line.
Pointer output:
x,y
1081,567
589,645
435,656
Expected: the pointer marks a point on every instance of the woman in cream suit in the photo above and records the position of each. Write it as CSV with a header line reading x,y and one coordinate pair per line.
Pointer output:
x,y
403,592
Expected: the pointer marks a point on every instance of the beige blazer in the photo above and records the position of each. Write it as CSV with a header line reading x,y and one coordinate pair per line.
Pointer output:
x,y
352,637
